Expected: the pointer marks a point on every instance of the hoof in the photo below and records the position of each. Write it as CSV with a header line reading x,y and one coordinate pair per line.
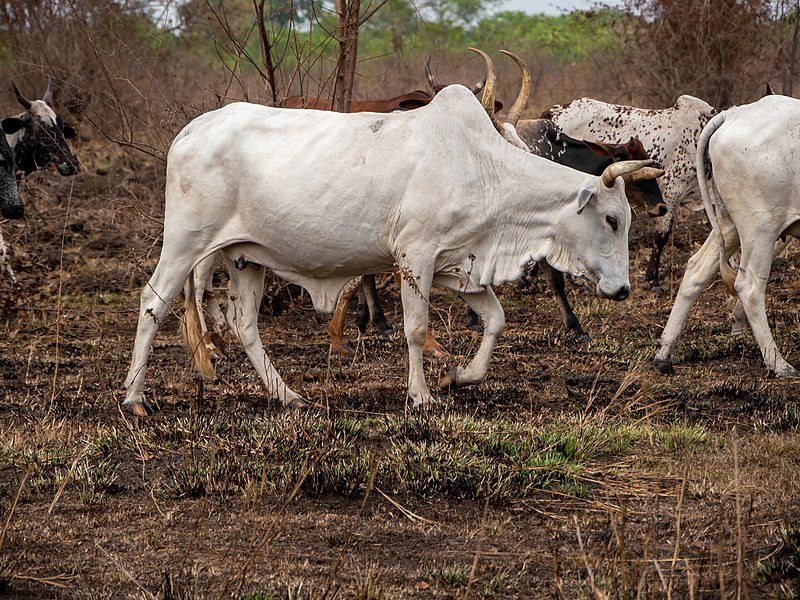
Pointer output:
x,y
655,286
436,351
785,371
343,350
138,409
664,365
426,404
216,355
476,327
582,337
449,381
385,331
297,403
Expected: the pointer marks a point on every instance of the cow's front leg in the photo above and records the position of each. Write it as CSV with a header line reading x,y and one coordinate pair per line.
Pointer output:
x,y
415,292
663,231
484,303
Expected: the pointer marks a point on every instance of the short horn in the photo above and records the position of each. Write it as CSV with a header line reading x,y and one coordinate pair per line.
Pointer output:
x,y
26,104
624,167
646,173
524,91
48,95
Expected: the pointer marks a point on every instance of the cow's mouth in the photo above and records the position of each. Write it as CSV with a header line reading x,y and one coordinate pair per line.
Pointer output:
x,y
67,168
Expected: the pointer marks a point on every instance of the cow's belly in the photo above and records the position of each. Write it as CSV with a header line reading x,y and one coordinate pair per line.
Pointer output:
x,y
313,261
792,230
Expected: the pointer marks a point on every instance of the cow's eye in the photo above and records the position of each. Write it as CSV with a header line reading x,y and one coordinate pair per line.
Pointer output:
x,y
613,222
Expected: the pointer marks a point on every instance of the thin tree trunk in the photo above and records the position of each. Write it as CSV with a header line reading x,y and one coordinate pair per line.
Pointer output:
x,y
348,13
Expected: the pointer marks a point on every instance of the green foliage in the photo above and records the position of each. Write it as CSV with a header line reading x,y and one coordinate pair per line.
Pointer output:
x,y
452,575
680,436
567,38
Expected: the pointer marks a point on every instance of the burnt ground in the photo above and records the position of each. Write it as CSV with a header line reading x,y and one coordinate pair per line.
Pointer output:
x,y
701,501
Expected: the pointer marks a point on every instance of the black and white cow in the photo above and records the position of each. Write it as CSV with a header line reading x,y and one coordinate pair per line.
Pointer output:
x,y
670,137
40,136
31,141
10,201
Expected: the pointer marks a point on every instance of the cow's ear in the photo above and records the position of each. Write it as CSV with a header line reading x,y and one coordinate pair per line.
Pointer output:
x,y
599,148
584,196
69,132
12,125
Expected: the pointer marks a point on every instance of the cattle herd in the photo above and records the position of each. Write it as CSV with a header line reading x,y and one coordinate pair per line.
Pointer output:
x,y
440,190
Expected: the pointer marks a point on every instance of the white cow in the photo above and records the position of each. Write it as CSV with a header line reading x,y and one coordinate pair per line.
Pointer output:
x,y
752,200
320,198
670,137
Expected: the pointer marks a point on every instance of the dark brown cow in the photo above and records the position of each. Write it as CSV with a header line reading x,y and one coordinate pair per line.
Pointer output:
x,y
407,101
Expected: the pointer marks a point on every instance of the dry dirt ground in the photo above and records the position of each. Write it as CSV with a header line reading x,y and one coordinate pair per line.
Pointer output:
x,y
641,485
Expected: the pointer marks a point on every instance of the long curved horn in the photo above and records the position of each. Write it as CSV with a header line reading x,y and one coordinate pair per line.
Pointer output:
x,y
487,100
26,104
48,95
524,91
623,167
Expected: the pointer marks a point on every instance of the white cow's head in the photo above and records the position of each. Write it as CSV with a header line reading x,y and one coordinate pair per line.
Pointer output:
x,y
591,234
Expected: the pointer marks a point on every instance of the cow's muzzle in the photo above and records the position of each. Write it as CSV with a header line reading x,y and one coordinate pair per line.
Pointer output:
x,y
621,294
659,210
67,168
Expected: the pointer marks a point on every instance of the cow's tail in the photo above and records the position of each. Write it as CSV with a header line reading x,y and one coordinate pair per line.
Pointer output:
x,y
193,333
712,202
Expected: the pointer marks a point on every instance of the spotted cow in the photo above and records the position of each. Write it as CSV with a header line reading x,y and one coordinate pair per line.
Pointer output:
x,y
670,137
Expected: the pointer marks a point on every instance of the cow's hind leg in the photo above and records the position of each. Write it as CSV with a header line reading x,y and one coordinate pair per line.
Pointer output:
x,y
336,325
751,287
247,287
701,269
487,306
164,285
368,296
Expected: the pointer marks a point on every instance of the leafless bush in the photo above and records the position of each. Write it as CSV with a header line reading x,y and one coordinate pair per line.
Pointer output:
x,y
721,51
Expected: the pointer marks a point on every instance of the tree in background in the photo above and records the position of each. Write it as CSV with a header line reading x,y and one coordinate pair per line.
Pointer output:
x,y
787,39
137,70
720,51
